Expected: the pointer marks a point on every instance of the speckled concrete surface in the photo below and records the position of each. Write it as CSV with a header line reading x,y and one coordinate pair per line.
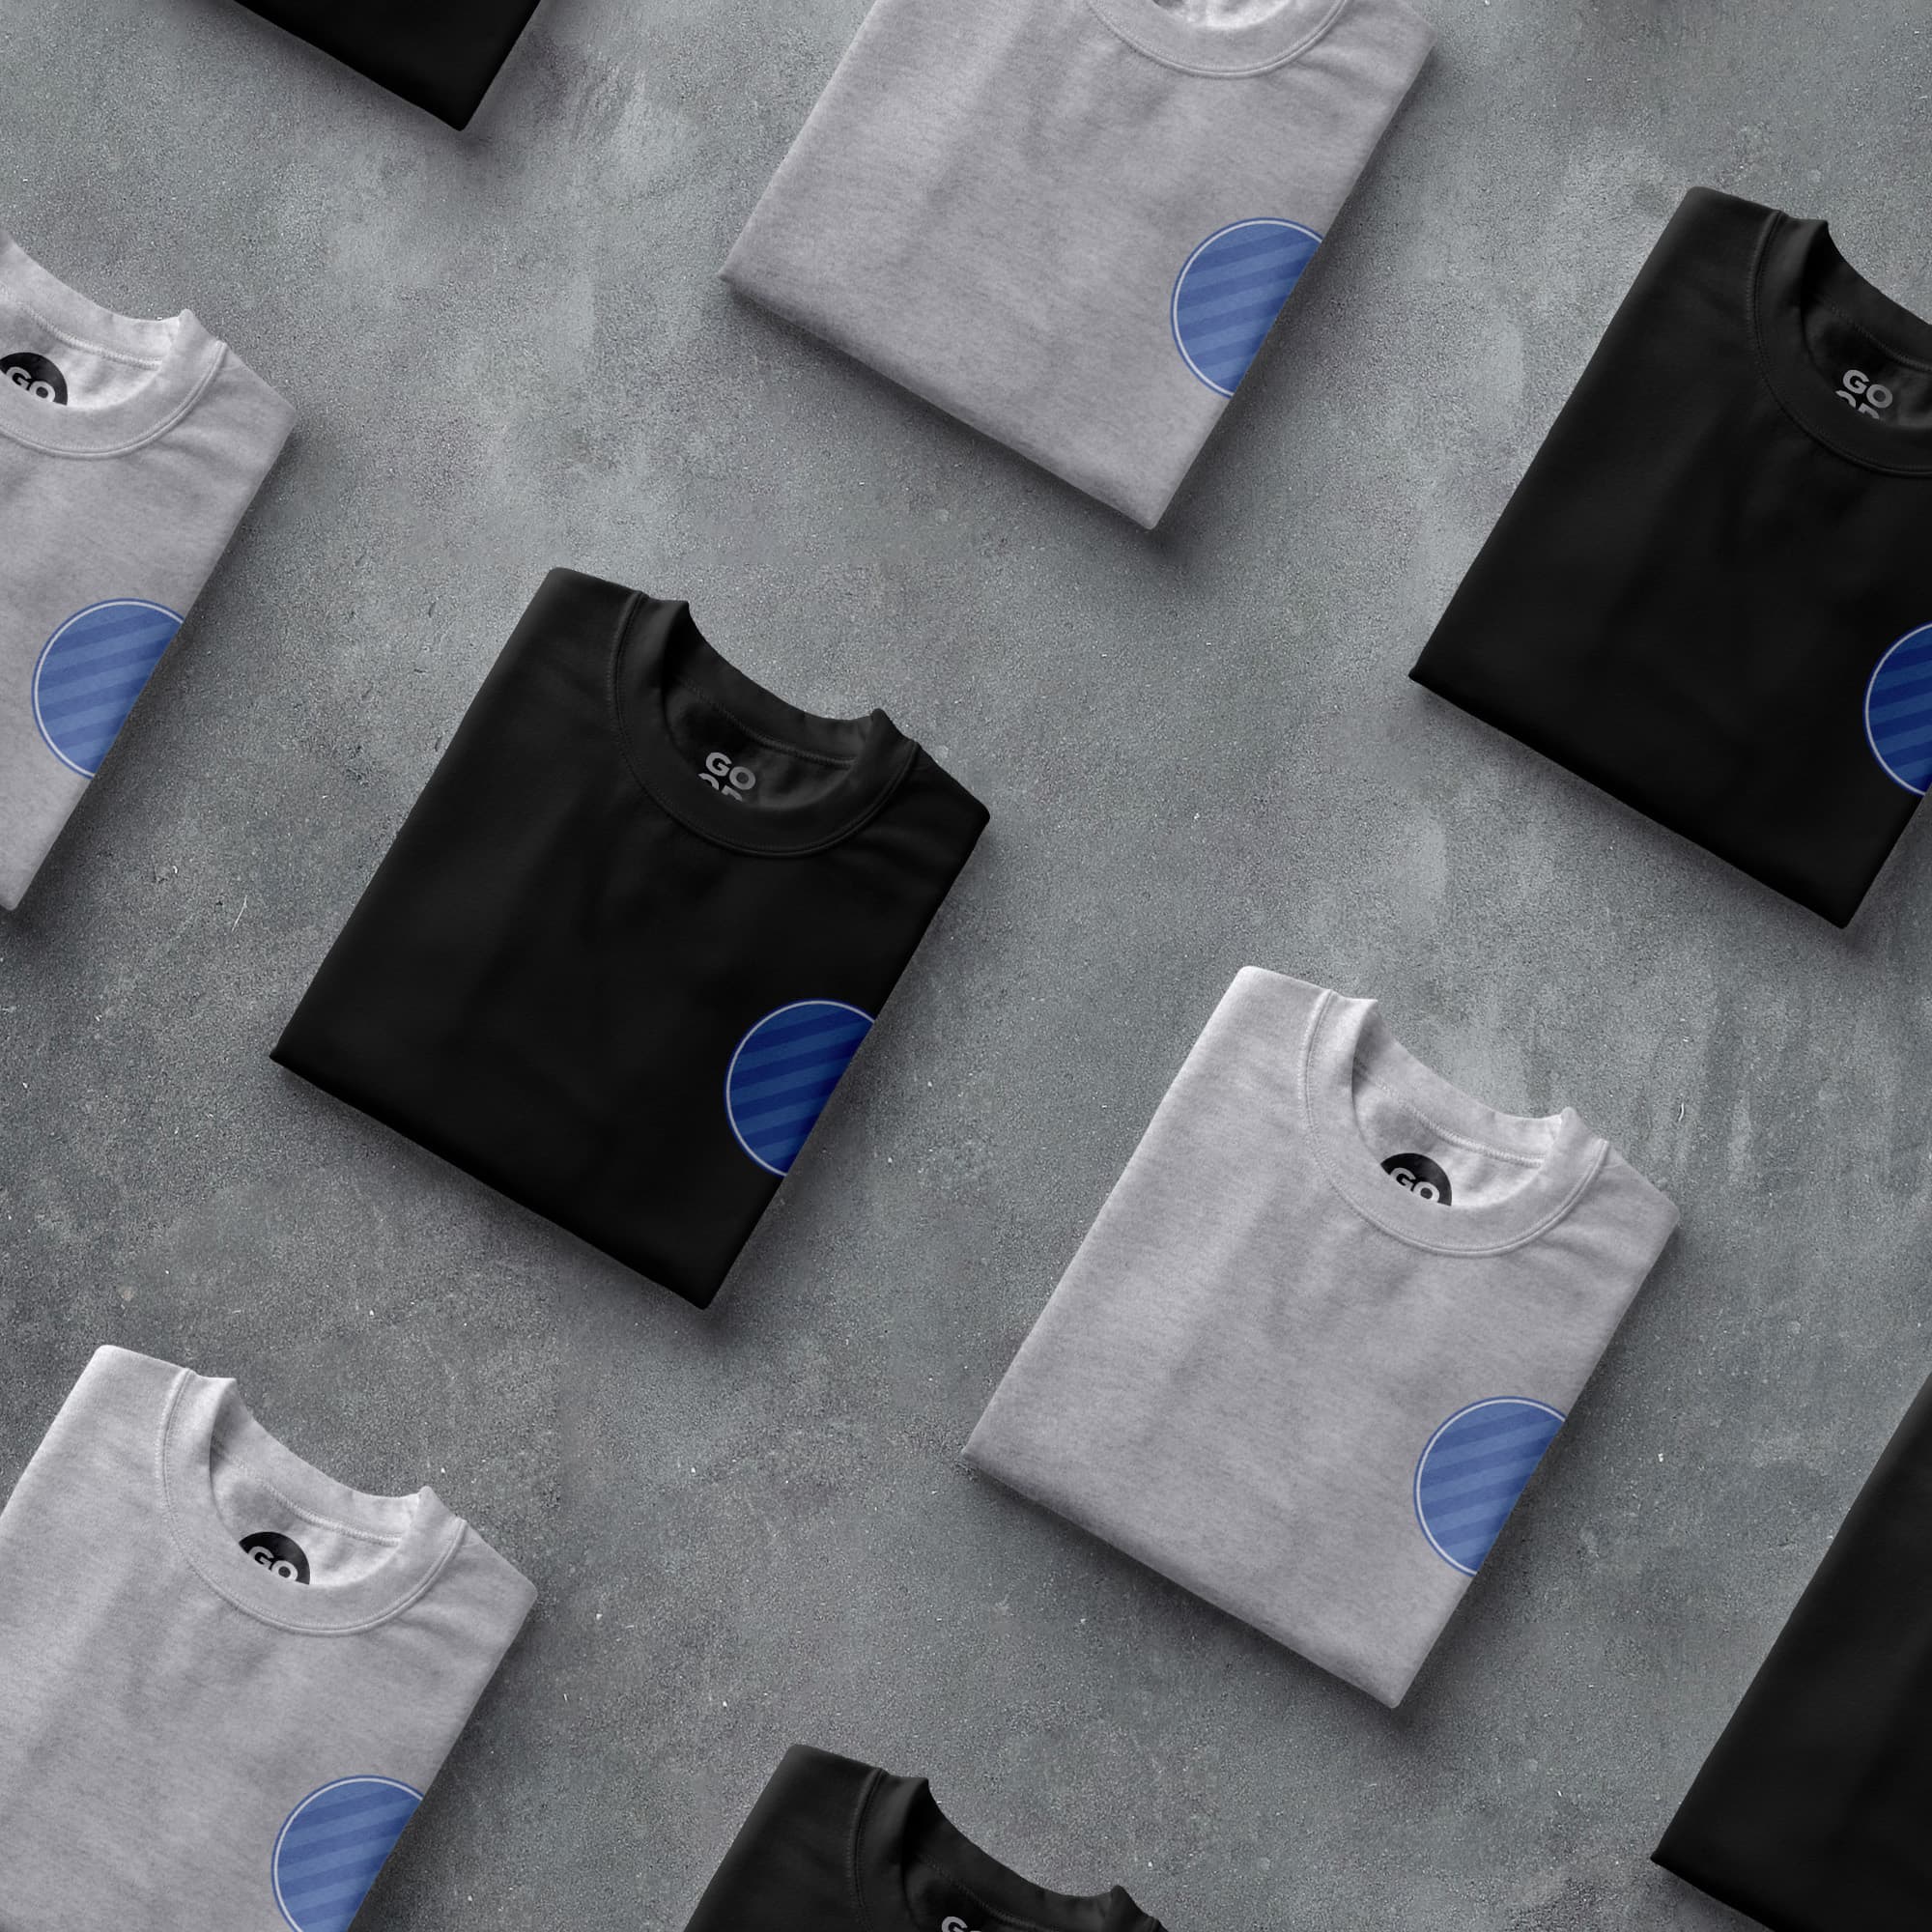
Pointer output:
x,y
508,350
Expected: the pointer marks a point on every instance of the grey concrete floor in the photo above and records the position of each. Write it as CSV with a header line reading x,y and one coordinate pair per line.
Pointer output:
x,y
508,350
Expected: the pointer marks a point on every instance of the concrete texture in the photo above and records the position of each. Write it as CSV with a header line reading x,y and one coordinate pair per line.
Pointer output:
x,y
507,350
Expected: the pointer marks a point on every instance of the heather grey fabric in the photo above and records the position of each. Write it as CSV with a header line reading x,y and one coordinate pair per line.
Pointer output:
x,y
1322,1330
227,1678
128,451
1072,222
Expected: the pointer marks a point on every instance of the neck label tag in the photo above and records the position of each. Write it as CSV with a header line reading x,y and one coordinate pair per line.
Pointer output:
x,y
1868,398
281,1555
35,373
728,780
1424,1178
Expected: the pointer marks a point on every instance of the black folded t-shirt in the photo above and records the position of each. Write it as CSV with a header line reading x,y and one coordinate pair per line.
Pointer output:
x,y
1810,1813
836,1846
633,932
1712,594
439,54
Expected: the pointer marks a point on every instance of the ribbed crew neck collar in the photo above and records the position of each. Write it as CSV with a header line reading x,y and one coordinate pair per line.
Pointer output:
x,y
1348,1041
180,355
658,645
1799,268
1170,36
205,1418
899,1821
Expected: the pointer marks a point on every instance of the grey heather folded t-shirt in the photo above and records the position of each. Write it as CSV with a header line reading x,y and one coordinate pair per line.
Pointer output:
x,y
1072,223
128,451
1328,1320
225,1680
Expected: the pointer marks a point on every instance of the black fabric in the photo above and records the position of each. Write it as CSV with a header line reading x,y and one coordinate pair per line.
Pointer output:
x,y
441,54
1811,1813
628,858
835,1846
1689,596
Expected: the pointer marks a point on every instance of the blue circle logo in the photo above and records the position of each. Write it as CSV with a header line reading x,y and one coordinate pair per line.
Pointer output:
x,y
1898,711
332,1847
782,1074
1228,293
1472,1470
91,672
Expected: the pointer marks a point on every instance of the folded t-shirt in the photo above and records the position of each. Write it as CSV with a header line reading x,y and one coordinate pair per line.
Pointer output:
x,y
837,1846
226,1679
1712,594
634,930
128,451
438,54
1810,1812
1072,222
1327,1325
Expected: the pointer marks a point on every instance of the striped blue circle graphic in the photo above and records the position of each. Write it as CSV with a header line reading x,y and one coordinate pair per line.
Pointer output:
x,y
90,674
1469,1476
333,1844
1898,710
1228,293
784,1072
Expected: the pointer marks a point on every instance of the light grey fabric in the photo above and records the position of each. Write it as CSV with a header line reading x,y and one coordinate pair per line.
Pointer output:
x,y
994,201
169,1702
122,476
1290,1374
